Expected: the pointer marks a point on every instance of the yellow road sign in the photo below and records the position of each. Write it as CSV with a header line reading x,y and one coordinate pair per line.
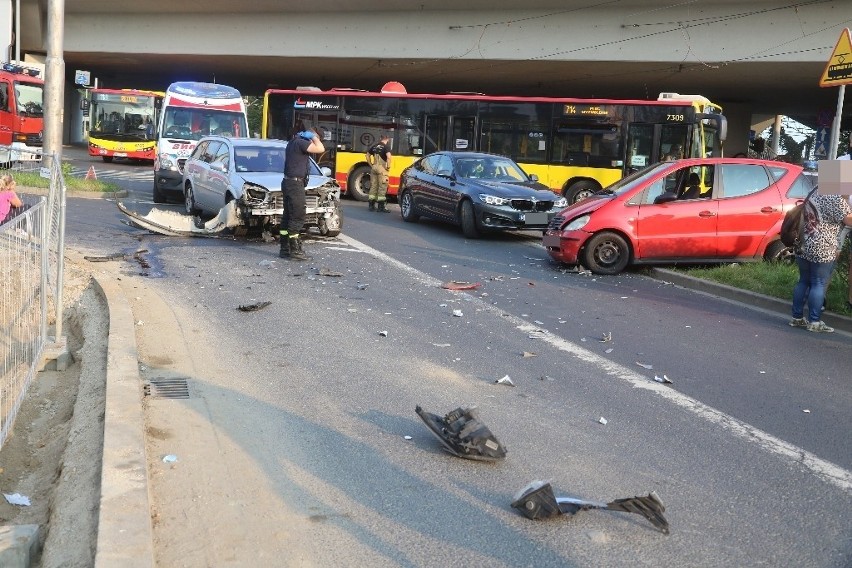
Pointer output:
x,y
838,70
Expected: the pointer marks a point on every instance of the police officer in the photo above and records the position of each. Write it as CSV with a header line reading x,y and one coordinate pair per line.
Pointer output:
x,y
296,169
379,158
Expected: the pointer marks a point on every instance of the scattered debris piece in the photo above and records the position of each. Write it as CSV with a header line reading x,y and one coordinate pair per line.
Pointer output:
x,y
441,344
407,437
362,286
458,313
806,411
496,278
610,350
460,285
266,263
107,258
383,333
170,458
537,334
537,501
17,499
531,283
664,379
330,273
351,310
463,434
562,321
602,420
139,322
606,337
528,354
644,365
253,307
538,322
545,378
505,381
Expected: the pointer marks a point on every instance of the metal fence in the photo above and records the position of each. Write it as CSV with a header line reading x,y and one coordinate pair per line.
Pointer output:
x,y
31,267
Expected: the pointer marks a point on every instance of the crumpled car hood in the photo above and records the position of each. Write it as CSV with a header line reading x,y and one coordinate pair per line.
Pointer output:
x,y
272,180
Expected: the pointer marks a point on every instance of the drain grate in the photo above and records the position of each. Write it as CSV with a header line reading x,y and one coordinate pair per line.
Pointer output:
x,y
161,387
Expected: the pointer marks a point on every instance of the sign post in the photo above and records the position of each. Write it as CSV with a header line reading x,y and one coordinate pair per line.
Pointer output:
x,y
838,73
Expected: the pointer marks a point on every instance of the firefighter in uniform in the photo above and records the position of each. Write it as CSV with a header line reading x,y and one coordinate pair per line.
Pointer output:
x,y
379,158
296,169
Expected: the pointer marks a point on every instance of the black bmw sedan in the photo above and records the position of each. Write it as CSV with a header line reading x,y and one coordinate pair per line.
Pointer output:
x,y
480,192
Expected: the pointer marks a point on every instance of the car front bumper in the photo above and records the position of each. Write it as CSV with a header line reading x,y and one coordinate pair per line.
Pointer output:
x,y
169,180
565,246
501,217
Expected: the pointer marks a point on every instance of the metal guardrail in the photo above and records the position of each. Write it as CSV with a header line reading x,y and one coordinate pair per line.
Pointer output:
x,y
31,282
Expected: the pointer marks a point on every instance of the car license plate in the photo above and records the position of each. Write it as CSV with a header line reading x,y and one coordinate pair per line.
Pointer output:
x,y
535,219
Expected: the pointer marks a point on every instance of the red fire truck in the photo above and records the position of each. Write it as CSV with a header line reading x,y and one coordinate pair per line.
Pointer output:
x,y
21,113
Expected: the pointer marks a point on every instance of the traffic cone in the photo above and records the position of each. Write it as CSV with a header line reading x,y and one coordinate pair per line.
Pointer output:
x,y
91,173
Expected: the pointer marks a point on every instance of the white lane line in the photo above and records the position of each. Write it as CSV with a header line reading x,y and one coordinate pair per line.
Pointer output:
x,y
825,470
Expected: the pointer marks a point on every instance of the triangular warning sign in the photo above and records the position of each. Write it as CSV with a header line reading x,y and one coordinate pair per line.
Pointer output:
x,y
838,70
91,173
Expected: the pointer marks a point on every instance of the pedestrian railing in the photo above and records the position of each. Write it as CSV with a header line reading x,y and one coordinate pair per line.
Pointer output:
x,y
31,267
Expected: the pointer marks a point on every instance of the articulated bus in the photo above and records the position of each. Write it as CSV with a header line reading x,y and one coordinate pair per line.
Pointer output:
x,y
192,110
124,123
574,146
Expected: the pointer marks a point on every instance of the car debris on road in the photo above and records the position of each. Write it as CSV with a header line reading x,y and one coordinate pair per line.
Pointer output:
x,y
463,434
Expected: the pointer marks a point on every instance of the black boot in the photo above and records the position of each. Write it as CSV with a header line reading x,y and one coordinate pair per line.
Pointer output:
x,y
284,251
296,252
382,207
371,206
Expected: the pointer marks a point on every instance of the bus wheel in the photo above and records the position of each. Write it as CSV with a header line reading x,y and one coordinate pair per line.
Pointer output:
x,y
359,184
107,159
580,190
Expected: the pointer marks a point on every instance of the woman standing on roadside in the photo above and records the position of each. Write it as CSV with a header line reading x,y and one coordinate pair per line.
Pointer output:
x,y
9,199
816,257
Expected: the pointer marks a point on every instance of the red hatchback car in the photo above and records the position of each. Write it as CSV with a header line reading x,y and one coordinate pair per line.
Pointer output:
x,y
687,211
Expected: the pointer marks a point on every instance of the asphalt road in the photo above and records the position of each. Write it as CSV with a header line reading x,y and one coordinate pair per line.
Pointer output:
x,y
749,446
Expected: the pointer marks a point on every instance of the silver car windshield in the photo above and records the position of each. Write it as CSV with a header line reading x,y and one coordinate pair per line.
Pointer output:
x,y
264,159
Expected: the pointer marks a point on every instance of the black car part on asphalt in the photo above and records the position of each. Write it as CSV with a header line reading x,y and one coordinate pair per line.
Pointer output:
x,y
537,501
463,434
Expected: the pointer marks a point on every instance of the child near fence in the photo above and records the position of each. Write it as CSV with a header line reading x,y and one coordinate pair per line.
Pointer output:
x,y
10,204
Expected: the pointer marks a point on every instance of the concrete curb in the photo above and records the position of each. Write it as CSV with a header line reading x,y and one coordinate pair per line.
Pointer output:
x,y
841,323
125,536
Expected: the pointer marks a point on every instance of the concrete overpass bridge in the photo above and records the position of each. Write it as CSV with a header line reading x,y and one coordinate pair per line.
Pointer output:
x,y
757,59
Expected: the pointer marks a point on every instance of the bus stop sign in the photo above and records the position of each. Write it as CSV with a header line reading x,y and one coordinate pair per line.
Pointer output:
x,y
838,70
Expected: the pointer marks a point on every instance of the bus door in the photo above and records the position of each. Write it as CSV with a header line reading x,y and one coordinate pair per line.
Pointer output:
x,y
651,143
455,133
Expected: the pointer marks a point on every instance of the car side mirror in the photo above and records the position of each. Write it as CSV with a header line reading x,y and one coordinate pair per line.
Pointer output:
x,y
533,177
326,171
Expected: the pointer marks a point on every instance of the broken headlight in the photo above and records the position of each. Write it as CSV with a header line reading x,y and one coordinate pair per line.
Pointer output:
x,y
255,194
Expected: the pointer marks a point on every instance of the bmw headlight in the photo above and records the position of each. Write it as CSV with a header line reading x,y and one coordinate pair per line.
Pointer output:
x,y
561,202
493,199
577,223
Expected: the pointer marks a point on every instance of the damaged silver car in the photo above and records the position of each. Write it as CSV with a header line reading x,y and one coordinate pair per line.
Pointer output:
x,y
248,172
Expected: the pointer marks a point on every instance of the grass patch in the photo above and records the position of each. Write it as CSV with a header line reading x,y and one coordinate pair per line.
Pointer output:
x,y
778,279
33,179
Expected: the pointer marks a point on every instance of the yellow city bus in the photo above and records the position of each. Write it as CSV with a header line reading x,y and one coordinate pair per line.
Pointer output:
x,y
123,123
574,146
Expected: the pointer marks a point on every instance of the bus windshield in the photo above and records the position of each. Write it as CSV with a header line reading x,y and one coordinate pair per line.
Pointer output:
x,y
195,123
30,98
122,116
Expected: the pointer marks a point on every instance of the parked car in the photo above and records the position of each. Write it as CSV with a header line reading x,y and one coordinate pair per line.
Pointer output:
x,y
687,211
250,170
480,192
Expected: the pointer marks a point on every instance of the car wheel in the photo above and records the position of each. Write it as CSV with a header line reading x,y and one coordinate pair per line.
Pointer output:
x,y
468,220
189,200
359,184
107,159
580,190
158,194
406,207
331,226
606,253
776,251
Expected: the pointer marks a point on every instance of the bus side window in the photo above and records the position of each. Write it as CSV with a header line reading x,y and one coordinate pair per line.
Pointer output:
x,y
4,97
